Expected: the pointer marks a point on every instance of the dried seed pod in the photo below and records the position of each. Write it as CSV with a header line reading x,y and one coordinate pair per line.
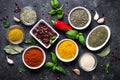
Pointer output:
x,y
101,20
10,61
76,71
16,19
96,16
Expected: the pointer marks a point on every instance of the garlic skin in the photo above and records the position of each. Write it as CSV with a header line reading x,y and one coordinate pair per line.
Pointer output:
x,y
10,61
101,20
96,16
76,71
16,19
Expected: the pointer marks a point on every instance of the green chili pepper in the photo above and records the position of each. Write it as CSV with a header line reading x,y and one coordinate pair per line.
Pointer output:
x,y
60,69
52,12
6,24
49,64
107,67
54,58
81,39
54,3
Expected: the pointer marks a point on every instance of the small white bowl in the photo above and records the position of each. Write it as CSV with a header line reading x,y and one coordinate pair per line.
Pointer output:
x,y
38,39
92,68
40,64
64,60
19,27
99,47
89,20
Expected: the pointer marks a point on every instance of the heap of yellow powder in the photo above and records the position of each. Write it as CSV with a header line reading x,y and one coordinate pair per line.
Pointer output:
x,y
67,49
15,34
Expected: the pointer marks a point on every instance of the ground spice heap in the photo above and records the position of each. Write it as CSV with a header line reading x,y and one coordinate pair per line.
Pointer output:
x,y
33,57
79,17
98,37
15,34
67,49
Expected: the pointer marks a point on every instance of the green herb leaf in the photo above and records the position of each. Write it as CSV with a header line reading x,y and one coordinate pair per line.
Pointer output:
x,y
81,39
59,11
21,70
54,3
107,67
60,16
72,34
49,64
52,39
52,12
6,24
30,42
60,69
54,58
105,52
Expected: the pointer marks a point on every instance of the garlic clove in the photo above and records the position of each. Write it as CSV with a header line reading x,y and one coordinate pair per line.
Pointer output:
x,y
101,20
16,19
76,71
10,61
96,16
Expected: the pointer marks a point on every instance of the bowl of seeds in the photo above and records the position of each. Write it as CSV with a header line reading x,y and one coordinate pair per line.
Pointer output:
x,y
79,18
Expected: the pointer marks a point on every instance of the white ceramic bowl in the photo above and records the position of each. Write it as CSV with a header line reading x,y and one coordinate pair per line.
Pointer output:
x,y
89,20
88,70
99,47
64,60
19,27
38,39
40,64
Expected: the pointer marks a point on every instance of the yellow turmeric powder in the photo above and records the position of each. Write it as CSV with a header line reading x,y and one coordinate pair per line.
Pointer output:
x,y
15,35
67,49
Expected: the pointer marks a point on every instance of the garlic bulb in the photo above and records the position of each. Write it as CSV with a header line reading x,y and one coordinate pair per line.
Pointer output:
x,y
76,71
96,16
10,61
101,20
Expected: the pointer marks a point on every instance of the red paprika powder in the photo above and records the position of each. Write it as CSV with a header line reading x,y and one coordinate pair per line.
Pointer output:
x,y
33,57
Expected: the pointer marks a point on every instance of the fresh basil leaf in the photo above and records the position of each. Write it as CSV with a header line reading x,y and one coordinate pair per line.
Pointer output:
x,y
107,67
72,34
81,39
49,64
54,58
52,12
30,42
60,69
54,3
60,16
59,11
6,24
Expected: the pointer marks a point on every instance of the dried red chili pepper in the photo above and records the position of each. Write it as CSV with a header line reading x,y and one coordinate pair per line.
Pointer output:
x,y
61,25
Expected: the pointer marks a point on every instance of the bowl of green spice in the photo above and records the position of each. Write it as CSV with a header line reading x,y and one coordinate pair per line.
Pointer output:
x,y
79,18
98,37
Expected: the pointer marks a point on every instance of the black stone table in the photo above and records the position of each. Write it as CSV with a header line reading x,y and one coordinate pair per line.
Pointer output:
x,y
109,8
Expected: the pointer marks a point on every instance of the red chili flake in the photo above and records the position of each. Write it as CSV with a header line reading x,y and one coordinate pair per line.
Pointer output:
x,y
17,8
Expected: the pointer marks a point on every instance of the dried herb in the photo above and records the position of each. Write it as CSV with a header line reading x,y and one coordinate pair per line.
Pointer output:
x,y
21,70
53,65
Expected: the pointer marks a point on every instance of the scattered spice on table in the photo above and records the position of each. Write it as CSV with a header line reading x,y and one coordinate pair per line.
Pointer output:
x,y
98,37
17,8
67,49
79,17
33,57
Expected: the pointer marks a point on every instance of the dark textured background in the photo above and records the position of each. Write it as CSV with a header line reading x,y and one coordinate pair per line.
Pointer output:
x,y
111,11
